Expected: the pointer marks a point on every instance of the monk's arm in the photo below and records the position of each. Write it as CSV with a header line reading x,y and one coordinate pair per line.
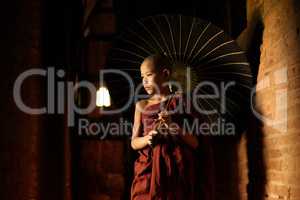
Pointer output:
x,y
137,141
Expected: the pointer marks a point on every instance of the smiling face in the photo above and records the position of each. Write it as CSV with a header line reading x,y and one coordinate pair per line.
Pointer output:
x,y
154,78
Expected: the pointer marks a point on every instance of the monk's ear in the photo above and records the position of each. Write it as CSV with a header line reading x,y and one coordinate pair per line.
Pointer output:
x,y
166,73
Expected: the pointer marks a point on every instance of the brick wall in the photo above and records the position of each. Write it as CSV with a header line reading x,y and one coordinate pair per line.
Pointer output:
x,y
273,149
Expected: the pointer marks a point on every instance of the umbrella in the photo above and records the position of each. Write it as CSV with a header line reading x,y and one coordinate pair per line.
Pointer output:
x,y
199,51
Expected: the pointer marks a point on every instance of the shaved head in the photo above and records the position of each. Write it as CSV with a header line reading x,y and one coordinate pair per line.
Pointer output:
x,y
159,61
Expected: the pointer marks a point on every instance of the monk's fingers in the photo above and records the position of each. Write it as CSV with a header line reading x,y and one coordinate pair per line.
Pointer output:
x,y
165,117
149,139
163,114
153,132
168,113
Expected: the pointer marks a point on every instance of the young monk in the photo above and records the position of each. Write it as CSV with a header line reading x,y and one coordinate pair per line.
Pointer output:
x,y
167,170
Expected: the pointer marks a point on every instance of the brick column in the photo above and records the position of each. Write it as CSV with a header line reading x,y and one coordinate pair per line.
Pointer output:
x,y
276,174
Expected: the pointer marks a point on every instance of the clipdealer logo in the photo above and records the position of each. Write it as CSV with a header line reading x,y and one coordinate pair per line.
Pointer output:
x,y
61,95
60,91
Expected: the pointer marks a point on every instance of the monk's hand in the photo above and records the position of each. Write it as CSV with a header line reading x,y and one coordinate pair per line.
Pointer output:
x,y
149,137
164,116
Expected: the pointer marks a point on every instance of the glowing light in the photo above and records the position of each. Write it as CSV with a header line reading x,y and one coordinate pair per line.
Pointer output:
x,y
103,97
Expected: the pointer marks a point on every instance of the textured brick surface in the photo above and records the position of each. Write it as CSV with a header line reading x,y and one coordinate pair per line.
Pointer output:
x,y
280,51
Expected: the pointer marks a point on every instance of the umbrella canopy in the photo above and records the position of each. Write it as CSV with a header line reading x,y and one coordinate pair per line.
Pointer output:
x,y
200,53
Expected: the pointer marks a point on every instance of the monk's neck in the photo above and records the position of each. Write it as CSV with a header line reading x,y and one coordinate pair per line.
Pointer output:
x,y
161,96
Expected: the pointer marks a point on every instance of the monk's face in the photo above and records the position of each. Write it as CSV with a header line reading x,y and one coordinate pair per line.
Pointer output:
x,y
153,80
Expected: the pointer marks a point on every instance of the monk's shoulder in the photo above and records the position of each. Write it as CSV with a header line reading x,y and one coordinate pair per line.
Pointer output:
x,y
141,104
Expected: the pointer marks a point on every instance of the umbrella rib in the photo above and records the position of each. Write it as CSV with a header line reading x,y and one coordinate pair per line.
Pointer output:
x,y
164,39
130,52
157,43
219,79
207,102
234,63
232,102
216,35
199,37
219,46
206,114
213,106
241,74
224,55
216,103
138,46
142,39
224,64
187,43
180,37
172,38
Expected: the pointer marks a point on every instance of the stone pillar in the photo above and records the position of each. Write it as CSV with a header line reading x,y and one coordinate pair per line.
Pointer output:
x,y
274,174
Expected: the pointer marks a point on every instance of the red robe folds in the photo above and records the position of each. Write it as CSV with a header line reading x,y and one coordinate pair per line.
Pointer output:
x,y
167,171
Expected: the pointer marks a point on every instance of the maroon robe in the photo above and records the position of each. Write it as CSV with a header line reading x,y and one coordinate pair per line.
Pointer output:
x,y
167,171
